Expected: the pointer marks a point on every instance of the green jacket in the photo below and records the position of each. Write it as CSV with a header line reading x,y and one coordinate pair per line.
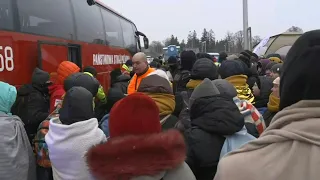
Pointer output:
x,y
100,95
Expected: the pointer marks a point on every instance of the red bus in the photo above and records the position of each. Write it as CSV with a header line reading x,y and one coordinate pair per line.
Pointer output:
x,y
43,33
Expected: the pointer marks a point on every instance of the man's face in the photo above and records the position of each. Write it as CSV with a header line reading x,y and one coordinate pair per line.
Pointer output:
x,y
275,90
139,65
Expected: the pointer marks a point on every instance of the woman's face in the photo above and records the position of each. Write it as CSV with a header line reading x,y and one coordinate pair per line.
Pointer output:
x,y
275,90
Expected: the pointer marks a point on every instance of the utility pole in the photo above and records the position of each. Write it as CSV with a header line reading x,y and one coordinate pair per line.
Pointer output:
x,y
245,24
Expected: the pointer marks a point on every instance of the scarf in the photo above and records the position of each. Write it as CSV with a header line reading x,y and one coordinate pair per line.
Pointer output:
x,y
192,84
243,90
165,102
273,104
293,136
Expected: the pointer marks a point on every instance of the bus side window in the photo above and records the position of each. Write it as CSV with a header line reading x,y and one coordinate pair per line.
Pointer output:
x,y
88,30
48,18
113,28
128,36
6,15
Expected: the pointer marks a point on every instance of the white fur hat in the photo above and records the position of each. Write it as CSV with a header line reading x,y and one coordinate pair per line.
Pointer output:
x,y
277,81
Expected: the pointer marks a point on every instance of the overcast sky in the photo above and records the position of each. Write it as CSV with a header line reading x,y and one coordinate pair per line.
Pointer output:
x,y
158,19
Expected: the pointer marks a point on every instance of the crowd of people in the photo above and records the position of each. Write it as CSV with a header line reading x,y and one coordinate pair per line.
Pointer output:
x,y
190,118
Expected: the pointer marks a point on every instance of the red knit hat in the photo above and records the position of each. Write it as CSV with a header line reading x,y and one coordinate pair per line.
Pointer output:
x,y
136,114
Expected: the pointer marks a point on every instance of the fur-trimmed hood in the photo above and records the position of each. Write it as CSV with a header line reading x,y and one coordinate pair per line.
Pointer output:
x,y
148,156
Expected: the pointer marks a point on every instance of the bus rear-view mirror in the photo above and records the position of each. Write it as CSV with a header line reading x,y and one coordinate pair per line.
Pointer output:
x,y
146,42
91,2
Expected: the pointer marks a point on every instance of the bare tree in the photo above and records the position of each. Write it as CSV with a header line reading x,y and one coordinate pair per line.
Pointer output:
x,y
229,39
256,40
295,29
156,47
238,37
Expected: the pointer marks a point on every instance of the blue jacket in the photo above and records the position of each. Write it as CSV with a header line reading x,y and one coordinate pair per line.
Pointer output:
x,y
104,125
235,141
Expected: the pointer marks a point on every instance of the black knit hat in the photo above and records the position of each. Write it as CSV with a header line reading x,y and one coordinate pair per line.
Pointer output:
x,y
82,80
231,68
246,58
277,68
129,63
223,56
300,78
188,58
91,70
115,74
204,68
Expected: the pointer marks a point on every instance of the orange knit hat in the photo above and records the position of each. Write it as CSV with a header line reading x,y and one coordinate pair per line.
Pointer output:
x,y
65,69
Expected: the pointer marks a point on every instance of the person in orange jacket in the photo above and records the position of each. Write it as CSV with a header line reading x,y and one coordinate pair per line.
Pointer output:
x,y
141,69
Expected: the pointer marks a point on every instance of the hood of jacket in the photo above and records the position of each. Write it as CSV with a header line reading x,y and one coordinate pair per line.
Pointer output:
x,y
8,95
214,112
130,156
83,80
17,157
188,58
155,84
77,106
72,142
300,71
40,77
41,80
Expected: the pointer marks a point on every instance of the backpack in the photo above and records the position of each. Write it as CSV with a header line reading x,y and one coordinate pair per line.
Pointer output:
x,y
39,144
235,141
184,121
180,81
20,107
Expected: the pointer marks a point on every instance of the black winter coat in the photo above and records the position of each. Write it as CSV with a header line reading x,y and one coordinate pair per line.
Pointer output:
x,y
266,84
211,119
268,116
121,83
168,122
37,107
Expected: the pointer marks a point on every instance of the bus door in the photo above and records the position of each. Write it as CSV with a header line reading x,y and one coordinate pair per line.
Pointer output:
x,y
51,54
